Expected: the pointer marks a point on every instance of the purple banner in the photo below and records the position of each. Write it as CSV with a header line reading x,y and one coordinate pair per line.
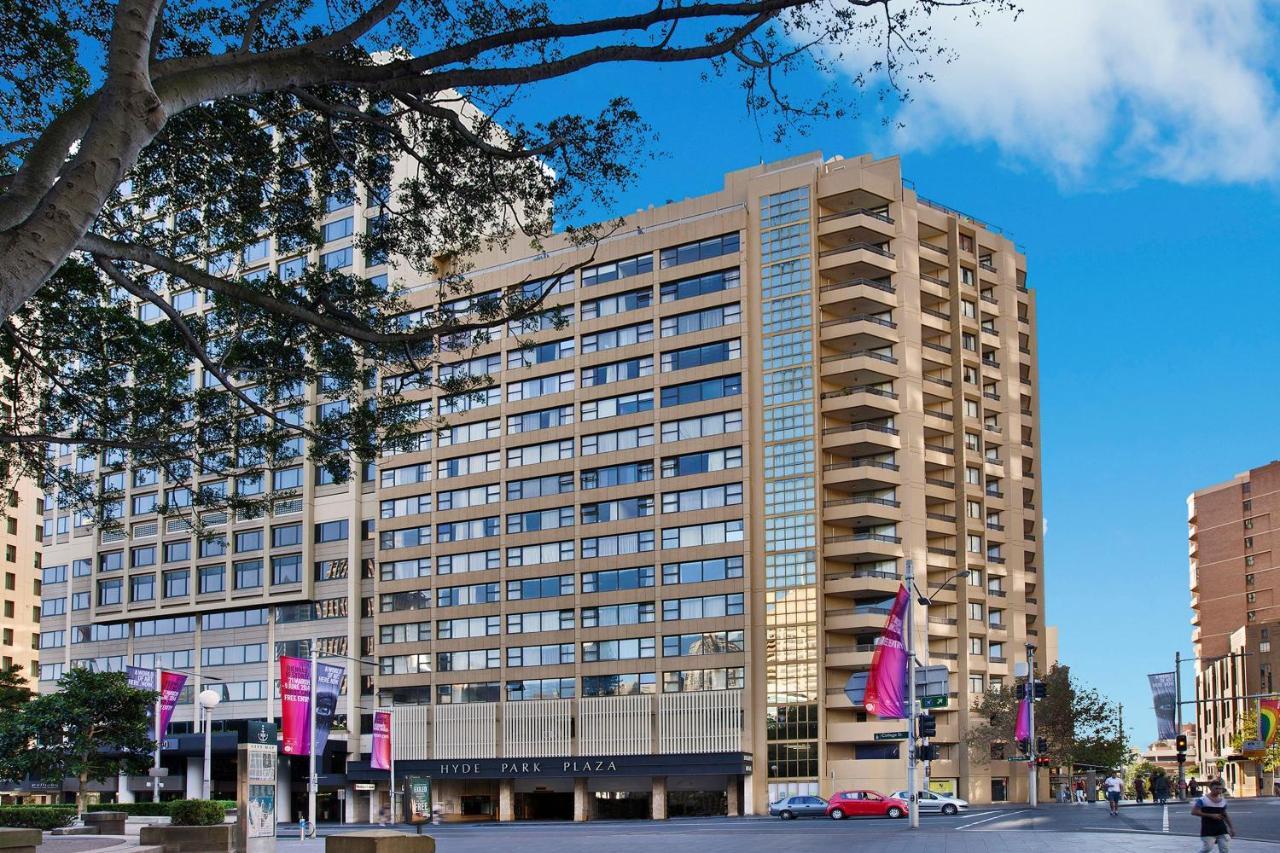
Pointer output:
x,y
1164,699
171,684
140,679
295,703
381,757
886,686
1022,729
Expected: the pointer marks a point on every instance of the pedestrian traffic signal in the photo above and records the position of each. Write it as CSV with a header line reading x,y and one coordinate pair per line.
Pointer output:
x,y
1042,745
1020,692
1024,746
1042,760
1180,742
1040,690
928,725
927,752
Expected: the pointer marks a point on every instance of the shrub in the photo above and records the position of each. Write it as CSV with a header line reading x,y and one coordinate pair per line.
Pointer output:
x,y
133,809
37,817
197,812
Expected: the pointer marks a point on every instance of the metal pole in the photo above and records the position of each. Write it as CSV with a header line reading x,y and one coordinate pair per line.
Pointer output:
x,y
909,642
208,754
155,777
1033,775
391,738
311,763
1177,726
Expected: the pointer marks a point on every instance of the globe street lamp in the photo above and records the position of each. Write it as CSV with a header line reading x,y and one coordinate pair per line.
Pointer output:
x,y
208,700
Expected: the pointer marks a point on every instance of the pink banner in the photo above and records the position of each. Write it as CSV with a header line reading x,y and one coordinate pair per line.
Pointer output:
x,y
886,686
1022,731
171,684
381,758
295,705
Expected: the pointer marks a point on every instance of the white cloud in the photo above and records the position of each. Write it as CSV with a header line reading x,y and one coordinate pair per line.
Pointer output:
x,y
1176,89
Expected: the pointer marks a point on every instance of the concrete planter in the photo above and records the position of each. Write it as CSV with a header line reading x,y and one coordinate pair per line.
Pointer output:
x,y
379,841
188,839
19,840
106,823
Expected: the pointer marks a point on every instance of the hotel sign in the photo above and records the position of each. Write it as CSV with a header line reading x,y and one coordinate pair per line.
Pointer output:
x,y
574,766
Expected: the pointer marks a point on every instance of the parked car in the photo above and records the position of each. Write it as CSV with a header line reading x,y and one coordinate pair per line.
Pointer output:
x,y
845,804
932,801
789,808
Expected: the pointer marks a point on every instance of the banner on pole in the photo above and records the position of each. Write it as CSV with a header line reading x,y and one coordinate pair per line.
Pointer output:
x,y
295,705
1163,699
1268,720
381,756
886,685
171,684
1022,729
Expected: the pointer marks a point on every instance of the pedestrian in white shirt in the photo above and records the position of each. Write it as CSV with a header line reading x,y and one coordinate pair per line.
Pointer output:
x,y
1115,787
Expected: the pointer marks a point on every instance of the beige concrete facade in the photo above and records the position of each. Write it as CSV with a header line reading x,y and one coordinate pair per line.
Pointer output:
x,y
20,590
672,527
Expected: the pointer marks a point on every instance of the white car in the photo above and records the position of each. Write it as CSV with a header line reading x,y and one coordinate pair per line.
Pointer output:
x,y
931,801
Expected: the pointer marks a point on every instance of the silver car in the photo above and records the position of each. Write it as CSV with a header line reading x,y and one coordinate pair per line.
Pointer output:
x,y
930,801
798,806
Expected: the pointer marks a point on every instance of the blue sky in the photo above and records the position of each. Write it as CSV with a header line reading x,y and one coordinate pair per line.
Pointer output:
x,y
1150,244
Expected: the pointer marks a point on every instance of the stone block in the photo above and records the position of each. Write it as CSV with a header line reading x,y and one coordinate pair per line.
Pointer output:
x,y
379,841
19,840
74,830
106,823
189,839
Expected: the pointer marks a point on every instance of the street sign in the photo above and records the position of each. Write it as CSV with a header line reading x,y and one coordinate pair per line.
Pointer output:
x,y
891,735
934,702
1019,758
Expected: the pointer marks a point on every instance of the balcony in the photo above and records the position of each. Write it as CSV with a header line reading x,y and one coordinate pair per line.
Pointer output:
x,y
933,247
864,367
934,285
860,581
857,260
858,294
859,403
856,619
858,546
875,220
859,474
857,331
861,510
860,438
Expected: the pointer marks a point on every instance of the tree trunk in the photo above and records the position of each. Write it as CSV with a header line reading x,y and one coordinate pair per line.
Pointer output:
x,y
80,804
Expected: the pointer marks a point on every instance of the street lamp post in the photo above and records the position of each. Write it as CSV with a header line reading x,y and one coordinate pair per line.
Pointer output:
x,y
209,700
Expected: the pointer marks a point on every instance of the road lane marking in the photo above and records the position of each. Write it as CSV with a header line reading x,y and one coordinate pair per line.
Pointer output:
x,y
993,817
1164,823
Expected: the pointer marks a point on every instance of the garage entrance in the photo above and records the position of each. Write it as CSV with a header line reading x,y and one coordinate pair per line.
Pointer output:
x,y
544,805
697,803
621,805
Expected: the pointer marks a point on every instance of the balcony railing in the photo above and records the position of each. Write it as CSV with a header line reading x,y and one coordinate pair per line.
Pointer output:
x,y
874,213
986,297
941,516
987,265
861,425
863,537
938,347
862,610
934,481
998,593
861,647
858,318
860,389
941,620
934,246
990,362
877,283
945,552
939,314
861,463
851,247
866,353
991,395
940,381
944,415
935,279
863,499
863,573
939,448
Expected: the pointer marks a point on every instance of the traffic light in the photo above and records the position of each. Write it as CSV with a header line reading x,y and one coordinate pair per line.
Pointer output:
x,y
1180,743
1042,760
1024,746
1042,745
1020,692
1040,690
927,752
928,725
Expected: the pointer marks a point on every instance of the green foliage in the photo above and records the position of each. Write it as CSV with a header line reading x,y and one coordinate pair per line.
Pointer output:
x,y
1248,730
1081,726
197,812
37,817
14,690
267,117
151,809
94,727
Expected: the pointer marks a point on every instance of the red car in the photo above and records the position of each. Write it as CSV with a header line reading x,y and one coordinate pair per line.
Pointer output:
x,y
845,804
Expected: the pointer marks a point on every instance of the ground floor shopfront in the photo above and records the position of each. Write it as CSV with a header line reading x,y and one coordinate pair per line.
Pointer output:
x,y
559,788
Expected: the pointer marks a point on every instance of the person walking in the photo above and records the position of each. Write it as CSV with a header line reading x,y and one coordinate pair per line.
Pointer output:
x,y
1139,789
1215,824
1079,792
1160,788
1115,788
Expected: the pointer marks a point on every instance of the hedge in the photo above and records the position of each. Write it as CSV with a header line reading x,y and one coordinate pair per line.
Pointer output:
x,y
150,809
197,813
37,817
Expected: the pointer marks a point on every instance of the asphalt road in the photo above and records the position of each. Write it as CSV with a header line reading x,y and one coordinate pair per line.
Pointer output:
x,y
1138,829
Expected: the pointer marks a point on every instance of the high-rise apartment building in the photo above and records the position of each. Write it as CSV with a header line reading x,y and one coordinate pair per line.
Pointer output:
x,y
634,575
1235,612
20,591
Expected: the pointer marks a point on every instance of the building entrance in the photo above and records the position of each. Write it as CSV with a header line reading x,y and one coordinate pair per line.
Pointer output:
x,y
621,805
544,805
697,803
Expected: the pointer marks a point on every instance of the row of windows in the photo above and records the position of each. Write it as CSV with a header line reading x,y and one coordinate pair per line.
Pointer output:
x,y
673,681
636,613
686,536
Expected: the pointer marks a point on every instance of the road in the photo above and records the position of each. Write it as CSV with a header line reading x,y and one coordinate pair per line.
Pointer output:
x,y
1138,829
